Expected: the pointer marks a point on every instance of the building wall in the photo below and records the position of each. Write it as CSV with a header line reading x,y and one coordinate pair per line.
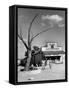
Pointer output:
x,y
49,47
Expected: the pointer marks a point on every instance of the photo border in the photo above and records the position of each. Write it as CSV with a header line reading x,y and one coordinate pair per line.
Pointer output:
x,y
16,43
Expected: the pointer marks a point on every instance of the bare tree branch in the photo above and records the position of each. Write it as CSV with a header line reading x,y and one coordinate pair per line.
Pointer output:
x,y
23,42
30,27
32,34
21,38
41,33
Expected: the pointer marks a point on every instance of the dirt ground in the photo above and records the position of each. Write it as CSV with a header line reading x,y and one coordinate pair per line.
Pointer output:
x,y
56,72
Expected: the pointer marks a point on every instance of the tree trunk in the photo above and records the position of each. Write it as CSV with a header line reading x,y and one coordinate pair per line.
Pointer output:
x,y
28,60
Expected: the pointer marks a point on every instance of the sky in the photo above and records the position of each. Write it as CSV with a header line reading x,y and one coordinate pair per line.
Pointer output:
x,y
53,19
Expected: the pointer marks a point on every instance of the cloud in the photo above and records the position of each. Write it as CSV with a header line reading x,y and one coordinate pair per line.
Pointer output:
x,y
53,18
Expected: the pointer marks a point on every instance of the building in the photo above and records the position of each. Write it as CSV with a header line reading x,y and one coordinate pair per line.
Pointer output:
x,y
53,52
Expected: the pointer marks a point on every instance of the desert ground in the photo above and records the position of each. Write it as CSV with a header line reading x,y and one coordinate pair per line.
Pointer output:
x,y
56,72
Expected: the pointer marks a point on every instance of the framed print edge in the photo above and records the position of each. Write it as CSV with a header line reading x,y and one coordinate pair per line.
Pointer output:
x,y
13,45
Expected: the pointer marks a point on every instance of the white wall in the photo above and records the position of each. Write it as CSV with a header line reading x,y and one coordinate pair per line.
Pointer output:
x,y
4,38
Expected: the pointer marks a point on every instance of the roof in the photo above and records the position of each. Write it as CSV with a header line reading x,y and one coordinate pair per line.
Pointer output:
x,y
53,52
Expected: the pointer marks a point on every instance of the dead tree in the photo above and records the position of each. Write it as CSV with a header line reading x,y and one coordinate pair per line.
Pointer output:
x,y
30,39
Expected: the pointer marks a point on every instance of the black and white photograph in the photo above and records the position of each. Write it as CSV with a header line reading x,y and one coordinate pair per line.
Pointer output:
x,y
34,44
41,45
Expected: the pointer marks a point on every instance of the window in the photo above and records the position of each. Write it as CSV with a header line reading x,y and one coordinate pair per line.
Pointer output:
x,y
52,46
